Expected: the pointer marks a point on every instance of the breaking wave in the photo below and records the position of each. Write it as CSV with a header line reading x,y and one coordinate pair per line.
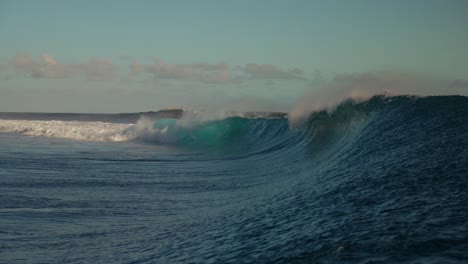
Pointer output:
x,y
248,130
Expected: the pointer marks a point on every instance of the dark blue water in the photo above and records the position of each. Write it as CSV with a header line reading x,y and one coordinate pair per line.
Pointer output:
x,y
381,181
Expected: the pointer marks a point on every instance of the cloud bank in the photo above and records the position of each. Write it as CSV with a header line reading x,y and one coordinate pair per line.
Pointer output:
x,y
49,67
102,70
279,85
268,71
214,73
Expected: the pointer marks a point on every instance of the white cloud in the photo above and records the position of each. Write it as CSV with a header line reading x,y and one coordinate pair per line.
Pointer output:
x,y
48,67
48,59
268,71
101,70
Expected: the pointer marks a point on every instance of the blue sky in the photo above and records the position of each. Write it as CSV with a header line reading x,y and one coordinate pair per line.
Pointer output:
x,y
91,55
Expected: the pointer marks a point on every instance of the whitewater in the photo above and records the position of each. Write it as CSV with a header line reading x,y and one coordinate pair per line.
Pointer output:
x,y
381,180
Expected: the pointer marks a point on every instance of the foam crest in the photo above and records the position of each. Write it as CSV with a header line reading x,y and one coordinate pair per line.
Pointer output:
x,y
162,130
91,131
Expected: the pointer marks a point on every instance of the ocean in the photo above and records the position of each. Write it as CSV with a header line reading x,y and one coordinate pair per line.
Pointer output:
x,y
378,181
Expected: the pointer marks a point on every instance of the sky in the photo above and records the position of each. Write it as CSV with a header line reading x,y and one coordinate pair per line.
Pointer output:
x,y
130,56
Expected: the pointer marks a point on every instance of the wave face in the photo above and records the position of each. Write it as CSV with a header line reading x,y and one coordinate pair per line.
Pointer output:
x,y
377,181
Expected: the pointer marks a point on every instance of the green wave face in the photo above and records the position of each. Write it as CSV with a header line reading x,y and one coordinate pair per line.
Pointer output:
x,y
204,134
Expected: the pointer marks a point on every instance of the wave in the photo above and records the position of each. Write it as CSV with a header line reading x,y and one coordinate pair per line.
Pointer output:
x,y
246,130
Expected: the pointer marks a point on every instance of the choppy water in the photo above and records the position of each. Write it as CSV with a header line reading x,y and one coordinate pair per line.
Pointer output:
x,y
380,181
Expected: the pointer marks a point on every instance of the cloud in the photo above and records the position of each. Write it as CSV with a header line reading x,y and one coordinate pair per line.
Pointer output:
x,y
22,59
200,72
268,71
136,68
215,73
171,71
125,57
22,63
102,70
210,67
51,71
196,71
49,67
48,59
218,77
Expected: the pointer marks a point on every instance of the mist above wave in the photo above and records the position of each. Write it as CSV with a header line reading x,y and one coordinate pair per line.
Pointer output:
x,y
360,87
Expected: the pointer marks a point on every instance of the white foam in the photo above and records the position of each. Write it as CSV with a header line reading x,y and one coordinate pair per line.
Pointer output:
x,y
91,131
144,129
